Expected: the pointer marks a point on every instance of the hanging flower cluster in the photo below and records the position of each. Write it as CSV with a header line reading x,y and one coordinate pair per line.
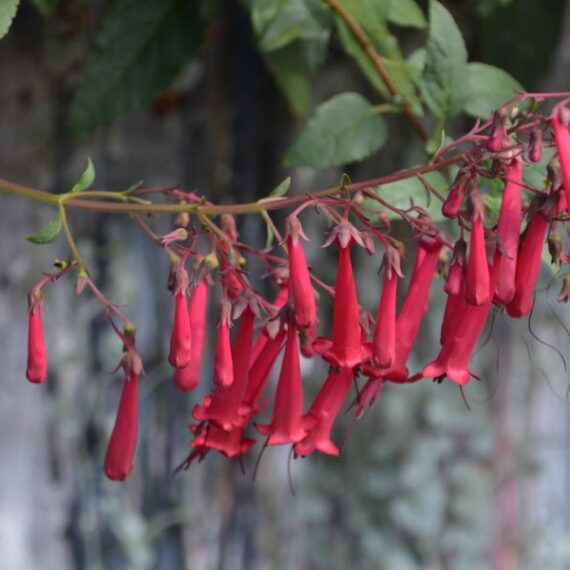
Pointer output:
x,y
482,258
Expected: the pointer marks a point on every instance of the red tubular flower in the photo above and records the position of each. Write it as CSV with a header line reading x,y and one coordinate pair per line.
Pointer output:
x,y
454,307
260,369
36,371
187,378
384,339
287,423
224,405
477,290
181,339
264,335
562,140
323,413
412,311
223,363
528,266
123,442
460,341
508,232
454,281
301,290
346,349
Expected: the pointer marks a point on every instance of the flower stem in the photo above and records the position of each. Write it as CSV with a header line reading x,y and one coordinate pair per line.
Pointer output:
x,y
69,236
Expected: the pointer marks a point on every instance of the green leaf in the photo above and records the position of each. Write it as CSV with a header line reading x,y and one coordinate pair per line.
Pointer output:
x,y
48,233
373,17
86,179
403,74
46,8
492,202
406,13
142,45
400,193
445,79
489,88
293,67
417,60
279,23
535,172
281,189
344,129
8,9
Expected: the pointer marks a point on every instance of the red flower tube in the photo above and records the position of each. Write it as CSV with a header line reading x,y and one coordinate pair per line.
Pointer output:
x,y
528,266
454,307
562,140
260,370
323,413
123,442
36,370
224,405
187,378
223,362
181,339
454,281
345,350
301,289
508,232
262,338
477,290
384,339
287,423
412,311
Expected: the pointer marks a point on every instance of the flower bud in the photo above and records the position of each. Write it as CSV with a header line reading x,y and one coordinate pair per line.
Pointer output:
x,y
535,145
123,442
182,219
555,247
181,339
498,132
81,282
301,289
36,371
452,204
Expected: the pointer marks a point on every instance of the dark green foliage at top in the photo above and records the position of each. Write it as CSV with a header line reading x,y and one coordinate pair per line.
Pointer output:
x,y
141,47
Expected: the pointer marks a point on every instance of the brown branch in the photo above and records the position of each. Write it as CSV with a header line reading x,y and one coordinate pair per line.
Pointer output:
x,y
215,209
362,38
